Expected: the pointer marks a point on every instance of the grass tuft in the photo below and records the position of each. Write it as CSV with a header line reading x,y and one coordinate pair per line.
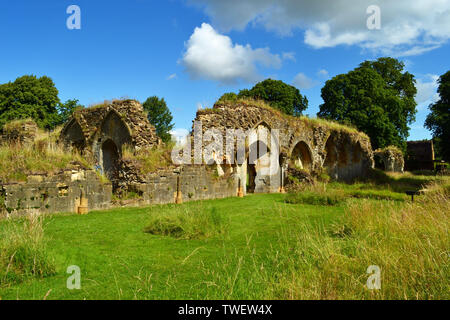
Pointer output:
x,y
188,223
23,252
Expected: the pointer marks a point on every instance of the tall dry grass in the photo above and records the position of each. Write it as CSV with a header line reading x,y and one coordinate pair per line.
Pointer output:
x,y
23,252
409,242
45,155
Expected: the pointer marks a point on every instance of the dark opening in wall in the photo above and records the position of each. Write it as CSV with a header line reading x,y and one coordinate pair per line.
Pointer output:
x,y
110,159
251,176
74,137
301,156
63,191
331,155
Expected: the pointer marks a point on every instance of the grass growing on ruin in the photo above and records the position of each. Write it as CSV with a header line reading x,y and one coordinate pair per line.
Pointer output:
x,y
149,160
266,249
333,125
17,161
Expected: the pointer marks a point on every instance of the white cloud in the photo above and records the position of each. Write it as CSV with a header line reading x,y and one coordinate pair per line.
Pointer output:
x,y
301,81
288,56
172,76
427,90
407,27
323,73
213,56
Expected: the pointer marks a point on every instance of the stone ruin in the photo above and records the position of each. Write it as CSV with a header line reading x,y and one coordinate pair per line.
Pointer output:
x,y
311,145
420,155
19,132
392,159
101,133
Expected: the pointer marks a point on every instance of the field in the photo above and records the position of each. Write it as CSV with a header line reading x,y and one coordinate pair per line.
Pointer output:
x,y
316,244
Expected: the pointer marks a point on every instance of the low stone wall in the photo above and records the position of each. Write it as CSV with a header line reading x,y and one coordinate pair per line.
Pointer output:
x,y
57,193
194,182
62,192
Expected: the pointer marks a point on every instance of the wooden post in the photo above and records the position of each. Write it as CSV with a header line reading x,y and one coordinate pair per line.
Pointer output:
x,y
179,196
83,208
240,192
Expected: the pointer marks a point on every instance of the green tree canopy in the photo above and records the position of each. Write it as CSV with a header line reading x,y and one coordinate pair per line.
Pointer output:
x,y
377,98
278,94
438,121
30,97
159,116
66,109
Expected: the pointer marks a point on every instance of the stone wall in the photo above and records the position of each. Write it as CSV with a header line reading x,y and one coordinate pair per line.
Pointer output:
x,y
19,132
392,159
62,192
57,193
311,144
194,182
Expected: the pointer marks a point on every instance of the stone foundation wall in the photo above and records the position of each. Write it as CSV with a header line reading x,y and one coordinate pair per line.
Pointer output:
x,y
62,192
195,183
58,193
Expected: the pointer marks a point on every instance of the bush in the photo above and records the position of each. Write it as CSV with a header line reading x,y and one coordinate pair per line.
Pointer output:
x,y
23,252
188,223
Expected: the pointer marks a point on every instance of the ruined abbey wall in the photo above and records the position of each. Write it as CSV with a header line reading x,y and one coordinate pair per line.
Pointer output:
x,y
310,145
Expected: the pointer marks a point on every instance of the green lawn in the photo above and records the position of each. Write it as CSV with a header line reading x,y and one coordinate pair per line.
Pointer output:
x,y
269,250
119,261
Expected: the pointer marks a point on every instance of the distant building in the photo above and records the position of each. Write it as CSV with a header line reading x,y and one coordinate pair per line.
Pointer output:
x,y
420,155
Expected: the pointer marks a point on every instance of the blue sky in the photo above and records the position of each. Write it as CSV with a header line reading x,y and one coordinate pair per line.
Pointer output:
x,y
192,51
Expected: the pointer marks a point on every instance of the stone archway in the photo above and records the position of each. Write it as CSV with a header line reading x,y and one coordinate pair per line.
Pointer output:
x,y
110,159
114,128
331,154
301,157
258,159
73,136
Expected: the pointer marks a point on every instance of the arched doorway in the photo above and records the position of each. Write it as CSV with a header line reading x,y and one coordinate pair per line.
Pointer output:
x,y
115,128
251,178
301,157
110,159
256,164
73,136
331,155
